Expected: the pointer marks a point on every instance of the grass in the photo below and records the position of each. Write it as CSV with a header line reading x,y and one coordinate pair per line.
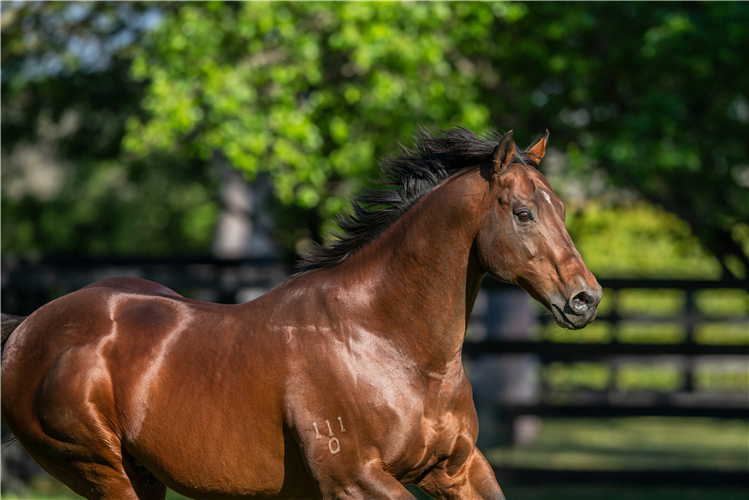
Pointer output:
x,y
634,443
639,443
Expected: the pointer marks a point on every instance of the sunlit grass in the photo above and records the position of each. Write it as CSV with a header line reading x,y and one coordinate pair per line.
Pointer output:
x,y
650,333
598,332
649,377
635,443
576,376
722,302
654,303
722,333
607,302
726,377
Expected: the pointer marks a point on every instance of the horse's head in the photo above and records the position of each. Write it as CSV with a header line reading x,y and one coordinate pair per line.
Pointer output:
x,y
523,238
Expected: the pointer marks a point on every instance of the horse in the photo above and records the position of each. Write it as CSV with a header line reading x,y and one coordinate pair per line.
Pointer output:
x,y
344,381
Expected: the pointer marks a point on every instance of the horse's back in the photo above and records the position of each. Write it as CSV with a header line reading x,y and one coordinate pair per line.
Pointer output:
x,y
133,285
91,314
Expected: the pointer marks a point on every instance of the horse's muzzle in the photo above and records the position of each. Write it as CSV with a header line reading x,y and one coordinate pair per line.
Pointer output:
x,y
579,310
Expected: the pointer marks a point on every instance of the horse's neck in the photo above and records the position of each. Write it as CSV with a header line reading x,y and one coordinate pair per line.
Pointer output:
x,y
424,274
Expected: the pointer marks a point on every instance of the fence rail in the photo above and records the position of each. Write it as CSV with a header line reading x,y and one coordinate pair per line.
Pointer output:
x,y
608,402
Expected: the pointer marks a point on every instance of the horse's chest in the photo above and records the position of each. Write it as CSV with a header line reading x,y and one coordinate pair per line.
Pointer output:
x,y
440,423
448,409
349,402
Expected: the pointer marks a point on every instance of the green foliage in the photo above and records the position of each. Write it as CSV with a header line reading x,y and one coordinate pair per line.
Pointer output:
x,y
312,93
655,377
639,241
105,208
627,377
647,93
598,332
668,109
654,316
63,120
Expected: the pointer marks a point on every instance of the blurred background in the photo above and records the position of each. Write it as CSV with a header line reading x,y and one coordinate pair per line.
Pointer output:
x,y
205,145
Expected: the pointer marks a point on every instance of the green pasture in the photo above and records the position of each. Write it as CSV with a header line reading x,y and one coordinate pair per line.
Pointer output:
x,y
642,443
633,443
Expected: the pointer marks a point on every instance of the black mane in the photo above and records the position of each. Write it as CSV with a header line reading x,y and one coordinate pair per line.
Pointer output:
x,y
406,179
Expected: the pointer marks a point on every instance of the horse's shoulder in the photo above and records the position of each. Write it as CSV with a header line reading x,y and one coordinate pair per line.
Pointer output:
x,y
133,285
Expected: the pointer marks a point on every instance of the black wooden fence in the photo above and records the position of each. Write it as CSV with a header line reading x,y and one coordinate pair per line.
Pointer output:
x,y
27,284
685,402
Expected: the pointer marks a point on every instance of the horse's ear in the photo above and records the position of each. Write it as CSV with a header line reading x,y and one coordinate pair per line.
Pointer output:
x,y
503,153
537,151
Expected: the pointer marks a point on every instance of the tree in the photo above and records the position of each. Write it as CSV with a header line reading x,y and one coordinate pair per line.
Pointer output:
x,y
647,93
313,93
66,95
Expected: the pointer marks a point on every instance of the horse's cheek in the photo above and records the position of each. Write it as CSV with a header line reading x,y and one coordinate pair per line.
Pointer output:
x,y
493,254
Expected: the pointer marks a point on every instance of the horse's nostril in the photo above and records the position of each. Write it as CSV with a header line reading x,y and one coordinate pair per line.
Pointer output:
x,y
581,302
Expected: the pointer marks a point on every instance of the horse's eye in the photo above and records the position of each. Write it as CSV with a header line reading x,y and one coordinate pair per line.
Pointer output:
x,y
524,216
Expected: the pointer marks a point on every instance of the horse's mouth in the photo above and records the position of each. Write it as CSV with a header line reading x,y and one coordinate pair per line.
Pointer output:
x,y
571,321
561,318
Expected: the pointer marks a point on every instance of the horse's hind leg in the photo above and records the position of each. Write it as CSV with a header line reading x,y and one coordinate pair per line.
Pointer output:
x,y
70,429
105,478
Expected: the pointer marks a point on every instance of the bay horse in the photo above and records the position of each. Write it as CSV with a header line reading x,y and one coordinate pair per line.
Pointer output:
x,y
345,381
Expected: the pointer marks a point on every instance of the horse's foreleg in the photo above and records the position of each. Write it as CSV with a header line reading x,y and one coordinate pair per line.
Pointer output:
x,y
370,482
482,479
474,479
